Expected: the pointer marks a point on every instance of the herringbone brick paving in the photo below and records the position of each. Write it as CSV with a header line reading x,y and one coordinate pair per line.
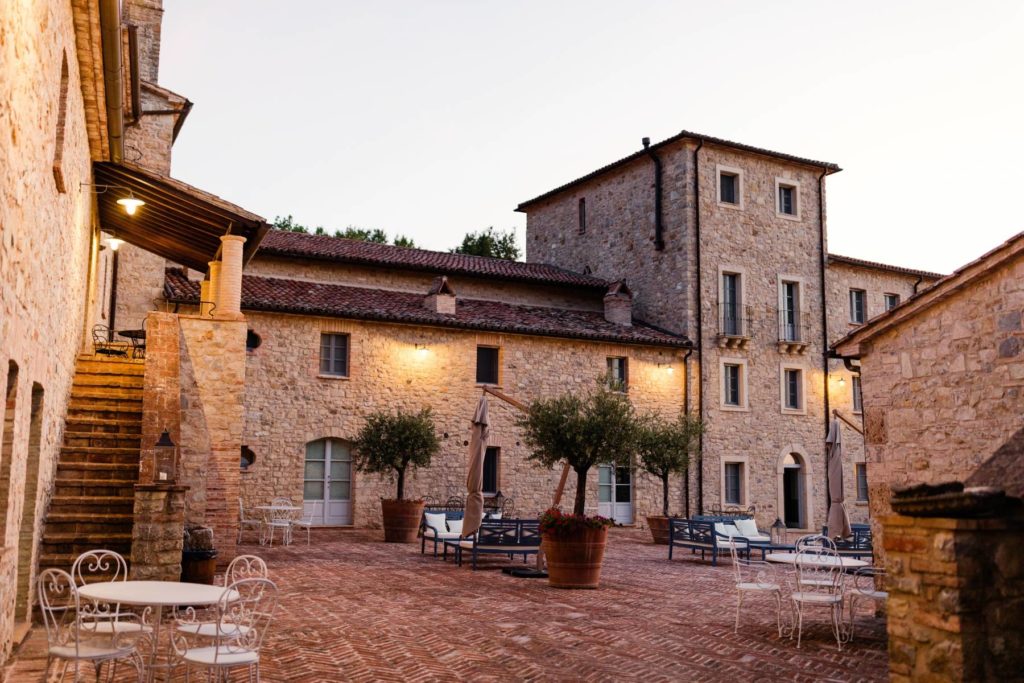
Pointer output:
x,y
356,609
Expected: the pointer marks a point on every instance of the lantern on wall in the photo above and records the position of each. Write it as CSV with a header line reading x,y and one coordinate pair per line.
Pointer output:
x,y
166,460
778,532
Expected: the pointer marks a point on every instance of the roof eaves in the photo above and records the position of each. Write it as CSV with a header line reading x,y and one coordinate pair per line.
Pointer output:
x,y
875,265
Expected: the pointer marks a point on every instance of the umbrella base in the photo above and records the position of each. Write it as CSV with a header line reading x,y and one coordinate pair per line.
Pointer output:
x,y
524,572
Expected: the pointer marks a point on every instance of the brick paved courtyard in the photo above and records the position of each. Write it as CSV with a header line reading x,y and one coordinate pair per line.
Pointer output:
x,y
354,608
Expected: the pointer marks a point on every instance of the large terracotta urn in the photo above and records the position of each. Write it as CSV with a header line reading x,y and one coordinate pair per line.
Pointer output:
x,y
574,559
658,524
401,519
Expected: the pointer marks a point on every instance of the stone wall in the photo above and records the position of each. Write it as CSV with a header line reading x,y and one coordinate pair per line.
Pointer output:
x,y
45,256
288,404
158,532
419,282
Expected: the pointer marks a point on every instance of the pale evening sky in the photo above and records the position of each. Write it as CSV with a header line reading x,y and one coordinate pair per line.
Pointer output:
x,y
434,118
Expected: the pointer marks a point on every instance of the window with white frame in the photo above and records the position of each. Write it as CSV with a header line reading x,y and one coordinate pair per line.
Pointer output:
x,y
789,311
792,389
618,373
733,484
862,482
730,186
732,294
334,355
734,384
892,301
787,198
858,405
858,306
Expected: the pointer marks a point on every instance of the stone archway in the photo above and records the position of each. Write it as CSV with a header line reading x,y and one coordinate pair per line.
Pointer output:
x,y
795,487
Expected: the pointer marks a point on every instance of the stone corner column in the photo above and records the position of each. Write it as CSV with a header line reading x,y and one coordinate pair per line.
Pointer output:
x,y
158,532
229,300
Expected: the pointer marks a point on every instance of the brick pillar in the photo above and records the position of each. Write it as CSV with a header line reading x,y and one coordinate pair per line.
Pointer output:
x,y
161,393
214,285
956,597
229,300
157,535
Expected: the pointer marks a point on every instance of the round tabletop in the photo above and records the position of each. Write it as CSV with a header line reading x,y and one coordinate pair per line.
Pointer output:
x,y
155,593
790,558
132,334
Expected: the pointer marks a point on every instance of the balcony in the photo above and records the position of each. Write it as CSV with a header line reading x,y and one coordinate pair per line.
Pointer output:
x,y
793,336
733,326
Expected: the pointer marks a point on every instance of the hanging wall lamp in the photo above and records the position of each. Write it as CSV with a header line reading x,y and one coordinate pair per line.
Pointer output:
x,y
131,203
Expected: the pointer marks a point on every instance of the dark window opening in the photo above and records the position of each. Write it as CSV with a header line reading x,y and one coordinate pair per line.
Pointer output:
x,y
892,301
734,483
248,457
787,200
732,385
583,215
492,458
858,305
729,188
792,389
252,341
862,481
618,373
486,365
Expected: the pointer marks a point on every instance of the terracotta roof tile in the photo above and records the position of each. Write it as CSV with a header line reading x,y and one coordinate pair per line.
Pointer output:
x,y
875,265
325,247
313,298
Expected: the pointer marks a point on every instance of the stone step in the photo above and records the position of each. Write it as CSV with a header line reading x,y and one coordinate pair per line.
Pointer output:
x,y
112,409
76,544
82,423
106,394
108,380
97,470
121,488
127,456
80,522
92,504
64,560
90,364
77,439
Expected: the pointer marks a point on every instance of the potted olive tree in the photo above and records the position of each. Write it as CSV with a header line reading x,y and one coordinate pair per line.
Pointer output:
x,y
584,431
664,448
390,444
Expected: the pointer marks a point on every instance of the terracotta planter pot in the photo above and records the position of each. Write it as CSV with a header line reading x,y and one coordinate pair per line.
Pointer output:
x,y
575,561
401,520
659,528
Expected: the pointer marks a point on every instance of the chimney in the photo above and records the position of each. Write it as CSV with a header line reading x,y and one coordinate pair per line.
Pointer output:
x,y
441,297
618,304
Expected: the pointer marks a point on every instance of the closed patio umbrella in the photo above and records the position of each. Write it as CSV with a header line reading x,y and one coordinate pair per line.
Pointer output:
x,y
838,520
475,472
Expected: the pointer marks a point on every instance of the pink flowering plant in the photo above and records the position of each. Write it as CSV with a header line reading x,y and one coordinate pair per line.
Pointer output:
x,y
554,522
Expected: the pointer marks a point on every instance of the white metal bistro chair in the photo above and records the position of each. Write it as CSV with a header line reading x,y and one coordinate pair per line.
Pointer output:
x,y
755,577
203,623
244,615
308,521
818,585
280,519
247,522
814,541
866,582
67,639
98,618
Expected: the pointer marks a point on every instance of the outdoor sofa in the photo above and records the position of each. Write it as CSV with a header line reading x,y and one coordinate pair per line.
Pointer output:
x,y
498,537
715,535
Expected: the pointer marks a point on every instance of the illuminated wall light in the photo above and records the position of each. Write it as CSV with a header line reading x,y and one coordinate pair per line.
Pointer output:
x,y
422,349
130,204
666,366
114,243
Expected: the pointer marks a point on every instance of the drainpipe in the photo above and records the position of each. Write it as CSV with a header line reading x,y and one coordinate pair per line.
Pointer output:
x,y
917,283
700,327
113,294
133,71
659,228
686,409
110,32
824,320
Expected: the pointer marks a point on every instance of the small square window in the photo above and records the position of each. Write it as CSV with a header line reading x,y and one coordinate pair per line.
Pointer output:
x,y
792,389
487,365
858,406
492,458
892,301
583,215
862,482
787,200
733,384
734,483
334,355
858,306
618,373
729,188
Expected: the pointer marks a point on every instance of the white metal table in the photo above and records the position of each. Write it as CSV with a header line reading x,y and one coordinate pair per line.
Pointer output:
x,y
816,560
268,514
154,596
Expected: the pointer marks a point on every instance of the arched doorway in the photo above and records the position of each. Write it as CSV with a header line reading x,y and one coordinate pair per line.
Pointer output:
x,y
327,482
794,494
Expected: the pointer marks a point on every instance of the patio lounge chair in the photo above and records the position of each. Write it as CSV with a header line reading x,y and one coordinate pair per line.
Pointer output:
x,y
434,527
707,537
499,537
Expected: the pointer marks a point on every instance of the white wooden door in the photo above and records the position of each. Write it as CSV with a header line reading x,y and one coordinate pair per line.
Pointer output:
x,y
327,484
615,493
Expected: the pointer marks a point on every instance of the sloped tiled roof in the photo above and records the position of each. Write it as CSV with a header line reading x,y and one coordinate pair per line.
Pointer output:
x,y
828,166
327,248
361,303
875,265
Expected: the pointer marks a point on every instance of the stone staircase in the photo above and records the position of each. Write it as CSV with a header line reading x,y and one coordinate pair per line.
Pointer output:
x,y
94,491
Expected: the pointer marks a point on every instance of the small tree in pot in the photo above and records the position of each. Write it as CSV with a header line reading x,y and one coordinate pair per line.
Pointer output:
x,y
595,429
391,444
664,448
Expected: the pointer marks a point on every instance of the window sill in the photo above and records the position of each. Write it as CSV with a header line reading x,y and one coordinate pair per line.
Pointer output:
x,y
854,324
734,409
793,411
788,216
342,377
730,205
487,385
860,503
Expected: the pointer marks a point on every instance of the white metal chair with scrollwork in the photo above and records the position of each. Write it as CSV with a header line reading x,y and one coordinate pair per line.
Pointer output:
x,y
280,519
203,623
247,522
818,583
308,521
104,565
868,584
244,615
814,541
66,636
755,577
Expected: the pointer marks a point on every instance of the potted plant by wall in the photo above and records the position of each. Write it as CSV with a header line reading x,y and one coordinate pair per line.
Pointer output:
x,y
664,448
198,556
584,431
391,444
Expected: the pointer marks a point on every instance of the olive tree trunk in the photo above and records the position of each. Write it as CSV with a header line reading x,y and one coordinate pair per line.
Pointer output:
x,y
401,483
664,494
580,505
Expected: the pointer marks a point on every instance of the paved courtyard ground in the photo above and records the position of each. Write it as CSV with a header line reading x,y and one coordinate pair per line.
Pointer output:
x,y
355,608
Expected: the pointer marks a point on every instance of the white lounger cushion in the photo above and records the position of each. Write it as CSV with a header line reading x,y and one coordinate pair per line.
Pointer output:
x,y
430,532
747,528
726,529
435,521
455,526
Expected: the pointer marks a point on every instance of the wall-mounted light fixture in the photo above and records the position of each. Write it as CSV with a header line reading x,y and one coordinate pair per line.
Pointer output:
x,y
131,203
665,366
422,349
114,243
842,381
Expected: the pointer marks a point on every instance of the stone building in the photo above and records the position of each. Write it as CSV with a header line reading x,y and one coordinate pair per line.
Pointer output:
x,y
943,390
726,243
339,329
